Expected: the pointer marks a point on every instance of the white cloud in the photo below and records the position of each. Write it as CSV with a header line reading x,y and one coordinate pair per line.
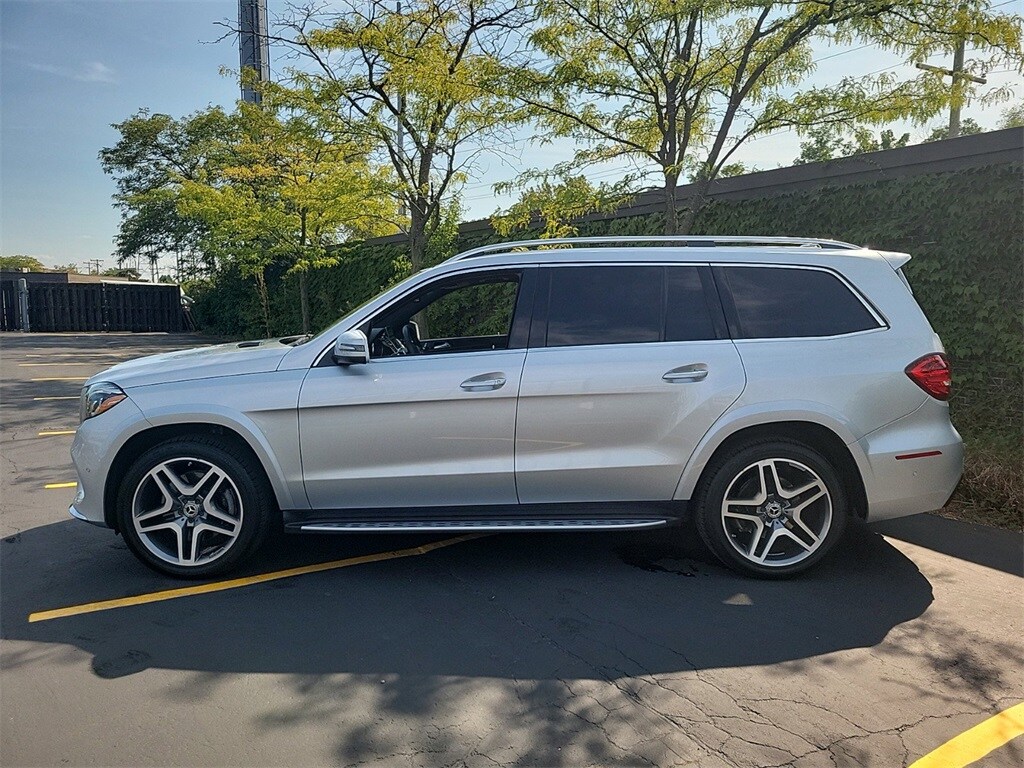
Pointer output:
x,y
88,72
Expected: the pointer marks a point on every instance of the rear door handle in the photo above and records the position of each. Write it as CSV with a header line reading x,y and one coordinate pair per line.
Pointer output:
x,y
695,372
484,382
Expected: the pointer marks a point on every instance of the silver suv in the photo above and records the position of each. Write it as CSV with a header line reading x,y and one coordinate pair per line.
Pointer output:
x,y
772,388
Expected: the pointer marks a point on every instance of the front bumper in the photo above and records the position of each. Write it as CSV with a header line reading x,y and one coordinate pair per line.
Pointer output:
x,y
96,443
914,463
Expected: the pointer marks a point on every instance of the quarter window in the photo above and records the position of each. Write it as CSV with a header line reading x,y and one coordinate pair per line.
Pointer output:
x,y
772,303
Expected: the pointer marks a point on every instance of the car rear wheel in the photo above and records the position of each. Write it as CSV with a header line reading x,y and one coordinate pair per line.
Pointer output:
x,y
771,509
193,507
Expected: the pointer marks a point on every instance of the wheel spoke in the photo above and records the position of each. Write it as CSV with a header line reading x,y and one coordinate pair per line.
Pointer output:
x,y
810,534
217,514
796,510
770,481
212,473
180,485
792,494
755,539
741,516
772,538
163,526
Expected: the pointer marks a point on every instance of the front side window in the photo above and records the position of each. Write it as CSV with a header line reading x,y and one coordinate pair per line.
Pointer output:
x,y
469,313
780,302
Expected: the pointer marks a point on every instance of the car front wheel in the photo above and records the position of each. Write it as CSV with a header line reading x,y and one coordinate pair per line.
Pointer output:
x,y
193,507
772,509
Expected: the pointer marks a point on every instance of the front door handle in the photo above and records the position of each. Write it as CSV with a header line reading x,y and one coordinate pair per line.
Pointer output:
x,y
695,372
484,382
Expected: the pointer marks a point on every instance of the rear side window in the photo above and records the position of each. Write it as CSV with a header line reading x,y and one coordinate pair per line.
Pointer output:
x,y
772,303
605,305
626,305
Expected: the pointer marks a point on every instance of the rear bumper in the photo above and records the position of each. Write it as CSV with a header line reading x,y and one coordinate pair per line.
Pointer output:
x,y
914,463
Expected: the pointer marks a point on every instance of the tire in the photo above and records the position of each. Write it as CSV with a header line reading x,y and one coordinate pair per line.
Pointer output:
x,y
786,508
194,507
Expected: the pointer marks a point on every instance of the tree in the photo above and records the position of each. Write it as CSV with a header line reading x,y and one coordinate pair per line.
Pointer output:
x,y
826,142
154,155
71,268
968,127
679,85
554,202
1012,117
20,261
284,186
421,85
130,273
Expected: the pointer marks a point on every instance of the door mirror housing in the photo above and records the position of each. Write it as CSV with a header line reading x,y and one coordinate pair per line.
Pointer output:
x,y
351,348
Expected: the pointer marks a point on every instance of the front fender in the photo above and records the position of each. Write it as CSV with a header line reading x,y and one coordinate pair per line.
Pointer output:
x,y
262,410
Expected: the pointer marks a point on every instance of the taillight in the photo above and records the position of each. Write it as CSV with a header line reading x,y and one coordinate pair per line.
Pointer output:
x,y
932,374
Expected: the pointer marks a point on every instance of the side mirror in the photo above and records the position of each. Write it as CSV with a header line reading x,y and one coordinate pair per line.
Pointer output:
x,y
351,348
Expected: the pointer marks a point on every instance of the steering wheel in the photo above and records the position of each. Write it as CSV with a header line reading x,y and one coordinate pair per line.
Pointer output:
x,y
391,343
411,338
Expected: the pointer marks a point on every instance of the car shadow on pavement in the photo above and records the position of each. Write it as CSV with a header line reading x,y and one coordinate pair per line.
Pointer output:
x,y
523,606
981,544
533,640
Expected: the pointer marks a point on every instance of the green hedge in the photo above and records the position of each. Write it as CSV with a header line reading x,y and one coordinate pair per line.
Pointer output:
x,y
964,229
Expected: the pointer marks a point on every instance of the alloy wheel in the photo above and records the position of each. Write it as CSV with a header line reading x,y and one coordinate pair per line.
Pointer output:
x,y
187,511
776,512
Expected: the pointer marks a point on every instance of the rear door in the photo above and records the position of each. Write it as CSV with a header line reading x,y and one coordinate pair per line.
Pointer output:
x,y
628,367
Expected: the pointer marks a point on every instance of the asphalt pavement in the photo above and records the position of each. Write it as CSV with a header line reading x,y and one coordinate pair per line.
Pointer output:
x,y
526,650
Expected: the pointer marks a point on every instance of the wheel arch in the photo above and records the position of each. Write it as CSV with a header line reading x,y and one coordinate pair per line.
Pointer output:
x,y
142,441
826,438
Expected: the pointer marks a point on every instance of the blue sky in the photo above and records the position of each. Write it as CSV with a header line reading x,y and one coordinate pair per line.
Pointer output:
x,y
70,68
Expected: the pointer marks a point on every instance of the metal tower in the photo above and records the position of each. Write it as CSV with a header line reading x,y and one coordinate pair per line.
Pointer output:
x,y
253,46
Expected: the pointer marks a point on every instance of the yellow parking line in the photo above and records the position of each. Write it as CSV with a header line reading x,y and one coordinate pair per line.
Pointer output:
x,y
51,432
974,744
220,586
62,378
50,486
58,397
36,365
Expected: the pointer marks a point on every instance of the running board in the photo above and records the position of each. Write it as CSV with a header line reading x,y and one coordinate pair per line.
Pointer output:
x,y
428,526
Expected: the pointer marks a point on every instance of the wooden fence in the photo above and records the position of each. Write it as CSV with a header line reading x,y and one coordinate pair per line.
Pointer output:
x,y
95,307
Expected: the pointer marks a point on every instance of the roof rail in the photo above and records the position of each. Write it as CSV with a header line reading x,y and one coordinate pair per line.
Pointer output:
x,y
692,241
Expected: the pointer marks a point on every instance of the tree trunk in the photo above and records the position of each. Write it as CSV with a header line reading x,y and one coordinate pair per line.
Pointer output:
x,y
671,211
417,236
304,300
695,206
261,288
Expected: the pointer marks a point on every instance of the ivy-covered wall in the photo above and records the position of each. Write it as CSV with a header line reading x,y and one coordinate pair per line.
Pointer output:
x,y
965,230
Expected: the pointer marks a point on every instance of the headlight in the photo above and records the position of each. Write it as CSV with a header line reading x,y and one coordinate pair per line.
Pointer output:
x,y
99,397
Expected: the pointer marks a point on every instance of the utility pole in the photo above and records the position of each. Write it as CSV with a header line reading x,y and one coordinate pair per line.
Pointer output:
x,y
958,76
399,128
253,45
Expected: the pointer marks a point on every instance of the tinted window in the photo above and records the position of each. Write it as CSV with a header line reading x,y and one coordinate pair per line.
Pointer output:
x,y
475,310
686,314
605,305
774,303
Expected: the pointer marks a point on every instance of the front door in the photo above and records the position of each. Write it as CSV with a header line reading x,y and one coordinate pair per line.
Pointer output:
x,y
430,420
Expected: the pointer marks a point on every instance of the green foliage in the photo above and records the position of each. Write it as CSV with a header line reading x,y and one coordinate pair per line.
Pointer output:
x,y
968,127
430,67
556,200
131,273
677,86
1012,117
20,261
826,142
